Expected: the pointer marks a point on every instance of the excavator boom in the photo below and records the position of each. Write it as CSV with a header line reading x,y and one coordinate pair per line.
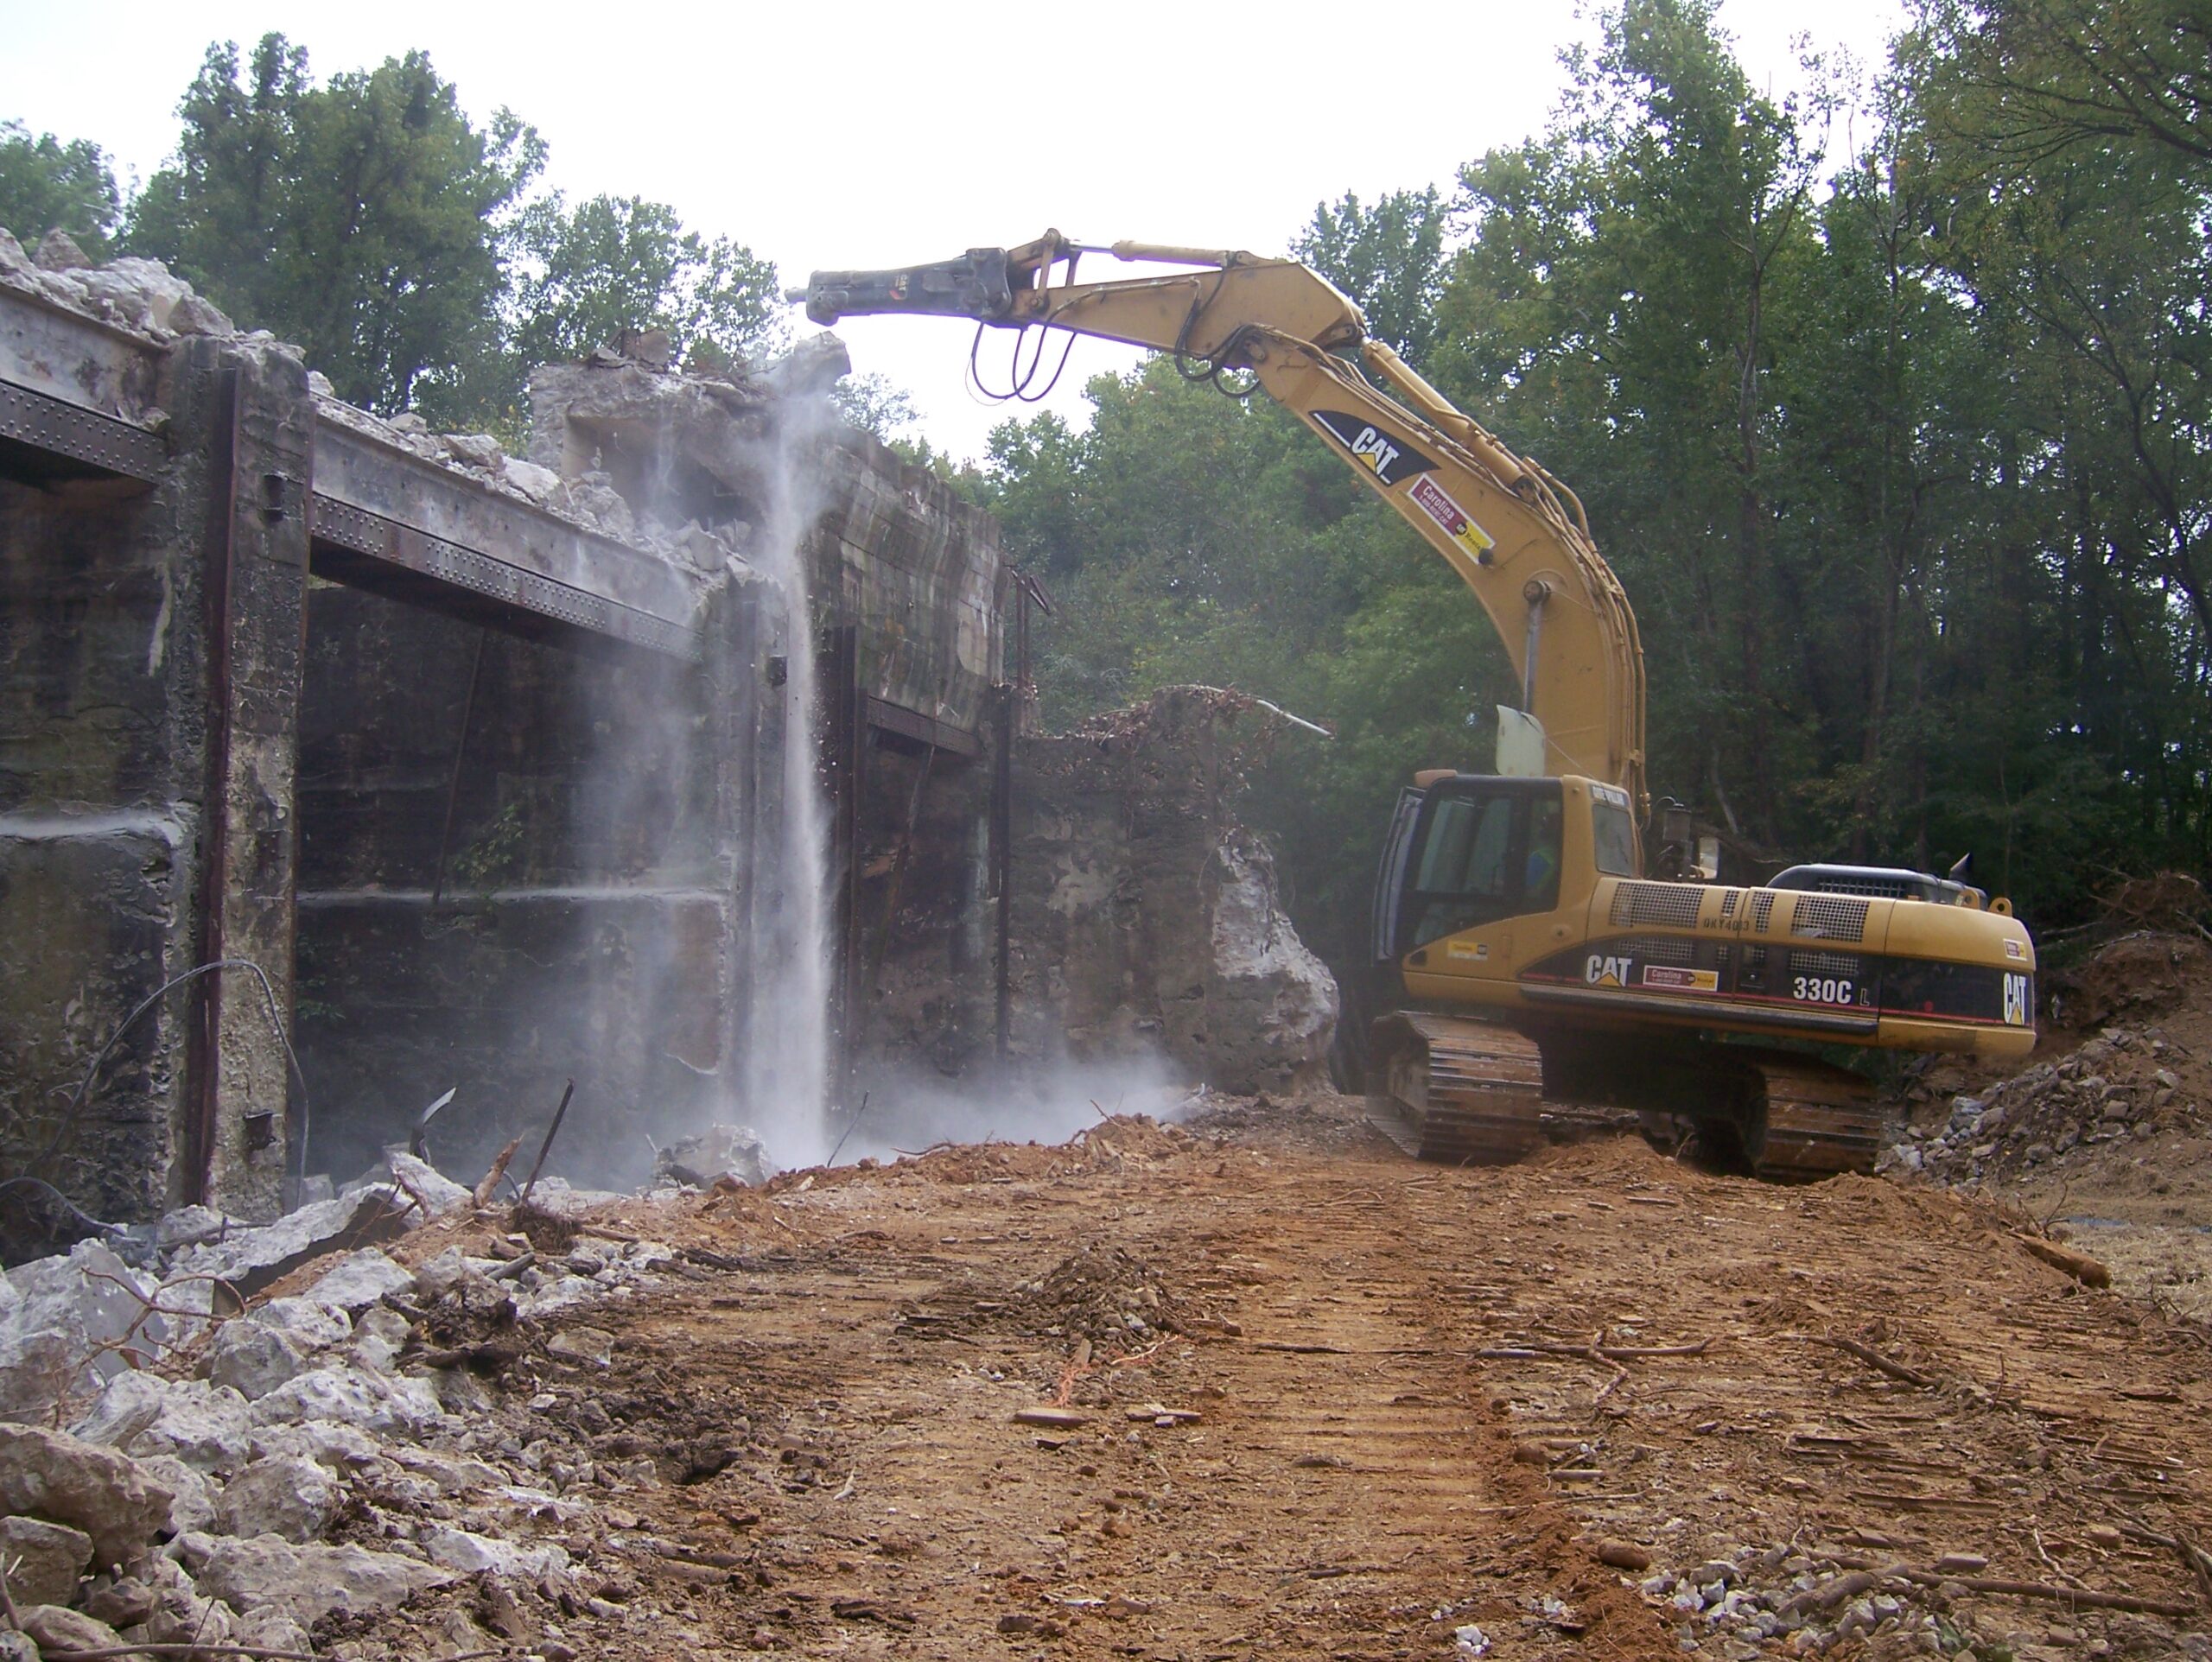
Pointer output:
x,y
1514,534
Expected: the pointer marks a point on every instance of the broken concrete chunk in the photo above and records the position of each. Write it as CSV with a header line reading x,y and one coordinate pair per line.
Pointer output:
x,y
339,1447
252,1260
55,1629
379,1337
63,1327
591,1345
194,1505
253,1359
456,1549
197,314
538,484
65,1480
204,1425
306,1322
58,251
718,1151
43,1559
131,1403
120,1602
303,1582
477,449
284,1495
360,1280
419,1179
12,257
352,1396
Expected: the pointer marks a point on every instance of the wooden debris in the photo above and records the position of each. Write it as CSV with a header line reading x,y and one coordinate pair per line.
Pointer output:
x,y
1160,1415
1622,1555
490,1186
2080,1597
2083,1268
1960,1564
1878,1362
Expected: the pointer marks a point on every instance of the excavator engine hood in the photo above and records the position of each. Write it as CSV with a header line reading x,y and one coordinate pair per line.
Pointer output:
x,y
976,285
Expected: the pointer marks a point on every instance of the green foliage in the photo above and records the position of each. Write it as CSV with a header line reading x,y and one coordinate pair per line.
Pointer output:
x,y
1388,258
46,185
613,267
362,219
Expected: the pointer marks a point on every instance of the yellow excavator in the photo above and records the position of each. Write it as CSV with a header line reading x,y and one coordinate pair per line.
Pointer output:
x,y
1548,978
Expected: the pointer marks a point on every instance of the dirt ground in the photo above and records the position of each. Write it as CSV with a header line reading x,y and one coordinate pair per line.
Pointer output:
x,y
1305,1398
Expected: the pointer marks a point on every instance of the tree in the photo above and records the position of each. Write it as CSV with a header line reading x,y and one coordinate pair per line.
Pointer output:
x,y
46,185
1390,258
614,266
366,219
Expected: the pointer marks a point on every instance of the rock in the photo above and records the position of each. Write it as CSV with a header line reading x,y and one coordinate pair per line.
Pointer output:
x,y
284,1495
252,1260
272,1630
538,484
477,449
303,1582
253,1359
206,1426
718,1151
194,1505
1715,1569
311,1324
65,1480
458,1549
379,1337
1270,1005
58,1316
120,1602
58,251
12,257
43,1559
440,1193
351,1396
580,1344
1622,1555
327,1443
322,387
360,1280
131,1402
52,1627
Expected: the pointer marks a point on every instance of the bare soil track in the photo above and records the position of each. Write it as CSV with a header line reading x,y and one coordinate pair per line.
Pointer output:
x,y
1340,1469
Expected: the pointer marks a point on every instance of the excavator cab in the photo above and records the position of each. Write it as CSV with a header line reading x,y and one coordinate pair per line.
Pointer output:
x,y
1468,849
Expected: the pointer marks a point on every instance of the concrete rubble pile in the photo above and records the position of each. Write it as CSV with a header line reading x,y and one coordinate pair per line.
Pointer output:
x,y
277,1427
2120,1085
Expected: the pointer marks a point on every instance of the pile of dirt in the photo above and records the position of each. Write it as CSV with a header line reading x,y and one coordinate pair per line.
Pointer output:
x,y
1102,1294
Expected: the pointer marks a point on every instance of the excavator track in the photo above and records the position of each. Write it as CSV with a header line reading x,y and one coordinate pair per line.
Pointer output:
x,y
1470,1093
1817,1120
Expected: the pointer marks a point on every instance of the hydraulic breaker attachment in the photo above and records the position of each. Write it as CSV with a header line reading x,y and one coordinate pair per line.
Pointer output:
x,y
975,285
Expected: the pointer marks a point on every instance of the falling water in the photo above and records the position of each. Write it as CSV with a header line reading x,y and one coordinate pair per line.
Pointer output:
x,y
787,1078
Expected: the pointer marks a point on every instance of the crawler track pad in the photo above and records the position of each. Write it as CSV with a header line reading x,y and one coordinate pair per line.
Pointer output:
x,y
1818,1120
1463,1092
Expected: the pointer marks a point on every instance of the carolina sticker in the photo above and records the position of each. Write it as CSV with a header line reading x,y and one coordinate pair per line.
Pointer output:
x,y
1682,981
1437,503
1476,950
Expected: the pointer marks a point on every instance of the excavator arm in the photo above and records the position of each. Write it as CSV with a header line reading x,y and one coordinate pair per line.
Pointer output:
x,y
1514,534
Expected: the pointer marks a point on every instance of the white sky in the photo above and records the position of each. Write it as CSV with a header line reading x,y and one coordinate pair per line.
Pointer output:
x,y
867,135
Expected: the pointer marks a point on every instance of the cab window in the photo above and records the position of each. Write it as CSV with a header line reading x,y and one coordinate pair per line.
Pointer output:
x,y
1484,855
1614,835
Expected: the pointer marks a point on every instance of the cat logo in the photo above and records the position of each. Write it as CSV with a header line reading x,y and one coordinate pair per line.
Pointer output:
x,y
2016,1001
1601,970
1389,458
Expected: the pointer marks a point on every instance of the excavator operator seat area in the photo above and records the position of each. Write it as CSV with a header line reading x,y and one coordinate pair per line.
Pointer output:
x,y
1480,849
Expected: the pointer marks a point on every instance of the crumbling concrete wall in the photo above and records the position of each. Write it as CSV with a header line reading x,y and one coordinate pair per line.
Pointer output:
x,y
146,738
1144,918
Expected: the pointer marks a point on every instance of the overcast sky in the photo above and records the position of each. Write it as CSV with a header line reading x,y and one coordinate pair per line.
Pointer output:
x,y
862,135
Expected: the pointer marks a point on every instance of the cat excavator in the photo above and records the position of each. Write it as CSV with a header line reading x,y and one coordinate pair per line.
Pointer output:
x,y
1543,972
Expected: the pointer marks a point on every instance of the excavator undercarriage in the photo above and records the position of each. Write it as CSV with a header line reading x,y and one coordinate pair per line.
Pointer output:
x,y
1469,1092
